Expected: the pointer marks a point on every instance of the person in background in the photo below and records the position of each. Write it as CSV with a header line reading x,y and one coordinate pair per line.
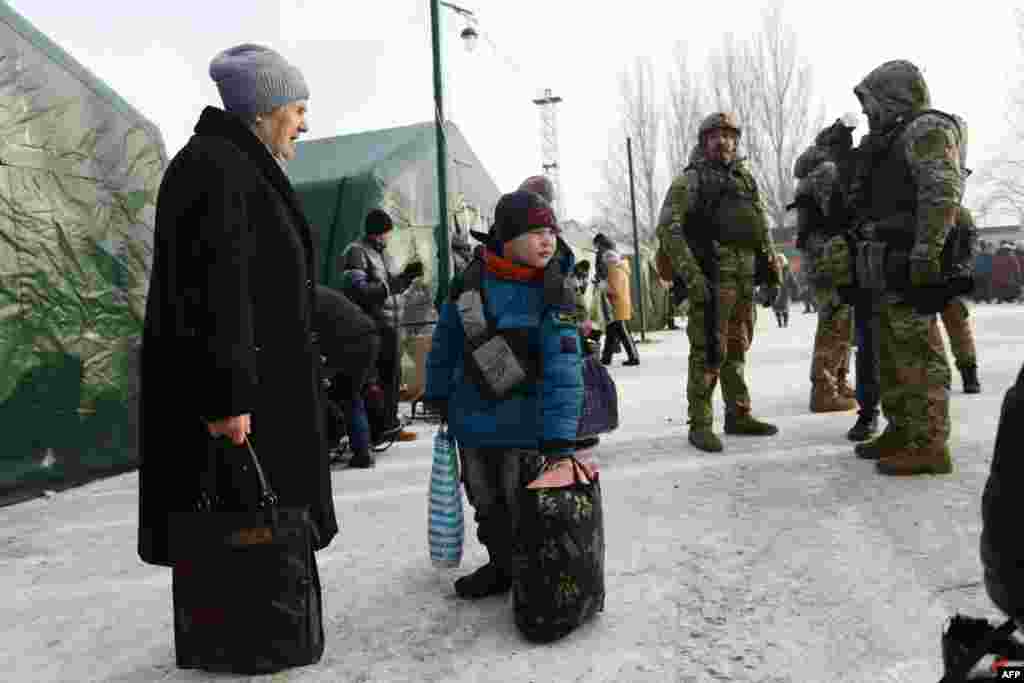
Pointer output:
x,y
613,283
783,300
369,278
350,344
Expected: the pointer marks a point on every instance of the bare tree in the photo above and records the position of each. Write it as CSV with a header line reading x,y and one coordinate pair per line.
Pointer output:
x,y
768,86
641,123
683,112
1001,181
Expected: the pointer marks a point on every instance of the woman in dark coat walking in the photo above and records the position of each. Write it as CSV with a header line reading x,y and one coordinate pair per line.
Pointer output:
x,y
228,344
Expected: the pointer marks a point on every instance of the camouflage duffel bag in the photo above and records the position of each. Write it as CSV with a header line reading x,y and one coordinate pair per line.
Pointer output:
x,y
559,556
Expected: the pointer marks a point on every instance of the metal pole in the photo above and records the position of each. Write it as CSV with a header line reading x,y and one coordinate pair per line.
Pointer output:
x,y
636,243
441,237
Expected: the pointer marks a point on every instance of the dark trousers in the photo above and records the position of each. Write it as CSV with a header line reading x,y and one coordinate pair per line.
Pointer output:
x,y
869,389
384,411
493,478
615,335
348,375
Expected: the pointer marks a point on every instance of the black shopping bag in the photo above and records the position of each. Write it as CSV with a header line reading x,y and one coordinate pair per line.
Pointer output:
x,y
245,585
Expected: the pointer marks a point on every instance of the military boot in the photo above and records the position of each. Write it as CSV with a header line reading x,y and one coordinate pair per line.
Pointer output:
x,y
969,374
865,428
703,438
932,459
890,440
824,399
747,425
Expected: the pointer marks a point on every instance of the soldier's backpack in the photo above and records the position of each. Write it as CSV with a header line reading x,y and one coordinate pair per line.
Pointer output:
x,y
559,551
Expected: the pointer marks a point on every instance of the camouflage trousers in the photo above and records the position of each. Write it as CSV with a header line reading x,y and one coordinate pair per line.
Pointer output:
x,y
956,319
737,317
830,360
915,374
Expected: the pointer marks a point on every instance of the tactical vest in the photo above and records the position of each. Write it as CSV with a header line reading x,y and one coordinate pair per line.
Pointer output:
x,y
727,208
891,192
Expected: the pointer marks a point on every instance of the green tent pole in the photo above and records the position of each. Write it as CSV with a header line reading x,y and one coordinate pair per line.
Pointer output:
x,y
441,229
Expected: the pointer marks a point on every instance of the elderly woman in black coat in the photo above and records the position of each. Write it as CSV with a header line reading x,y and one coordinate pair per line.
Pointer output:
x,y
229,349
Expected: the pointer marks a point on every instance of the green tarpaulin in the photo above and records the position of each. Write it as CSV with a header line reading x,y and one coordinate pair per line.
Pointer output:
x,y
79,173
340,179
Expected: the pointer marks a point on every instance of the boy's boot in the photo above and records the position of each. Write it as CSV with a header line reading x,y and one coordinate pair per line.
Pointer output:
x,y
745,424
969,374
785,318
865,427
703,438
778,318
931,459
891,440
362,458
491,579
825,399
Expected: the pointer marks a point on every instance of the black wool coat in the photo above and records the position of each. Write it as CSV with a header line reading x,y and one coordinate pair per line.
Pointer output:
x,y
229,330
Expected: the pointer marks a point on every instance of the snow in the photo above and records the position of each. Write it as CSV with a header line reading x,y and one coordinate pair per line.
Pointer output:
x,y
784,558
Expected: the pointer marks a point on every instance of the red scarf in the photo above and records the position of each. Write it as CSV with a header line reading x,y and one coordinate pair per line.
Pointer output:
x,y
505,269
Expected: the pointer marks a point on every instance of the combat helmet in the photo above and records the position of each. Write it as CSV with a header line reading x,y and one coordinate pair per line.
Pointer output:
x,y
723,120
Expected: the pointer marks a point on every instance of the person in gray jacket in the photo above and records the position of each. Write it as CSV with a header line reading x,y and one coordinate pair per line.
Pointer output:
x,y
371,279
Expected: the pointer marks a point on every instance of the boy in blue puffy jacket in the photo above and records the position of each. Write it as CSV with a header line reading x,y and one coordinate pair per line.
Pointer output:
x,y
506,434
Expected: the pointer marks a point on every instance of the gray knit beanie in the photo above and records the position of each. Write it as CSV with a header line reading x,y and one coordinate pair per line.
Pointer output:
x,y
254,80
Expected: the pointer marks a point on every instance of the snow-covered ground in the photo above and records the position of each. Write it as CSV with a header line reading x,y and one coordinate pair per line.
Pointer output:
x,y
782,559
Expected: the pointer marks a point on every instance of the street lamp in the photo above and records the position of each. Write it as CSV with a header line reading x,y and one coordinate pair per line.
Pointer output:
x,y
441,237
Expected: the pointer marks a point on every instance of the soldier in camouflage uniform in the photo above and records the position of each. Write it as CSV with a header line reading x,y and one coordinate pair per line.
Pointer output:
x,y
824,173
912,188
956,315
714,228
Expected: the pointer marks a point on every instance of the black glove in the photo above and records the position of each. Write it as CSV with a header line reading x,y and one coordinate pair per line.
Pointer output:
x,y
439,406
769,295
929,300
413,270
678,290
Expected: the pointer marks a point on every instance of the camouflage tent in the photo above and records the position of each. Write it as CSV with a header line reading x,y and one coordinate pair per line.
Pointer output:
x,y
79,172
340,179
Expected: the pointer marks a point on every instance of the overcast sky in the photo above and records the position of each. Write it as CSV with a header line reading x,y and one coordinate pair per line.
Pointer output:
x,y
368,64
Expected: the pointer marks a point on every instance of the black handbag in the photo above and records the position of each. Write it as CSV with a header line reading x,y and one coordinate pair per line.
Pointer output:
x,y
600,410
245,585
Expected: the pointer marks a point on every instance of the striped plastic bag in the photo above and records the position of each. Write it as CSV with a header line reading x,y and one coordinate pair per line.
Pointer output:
x,y
445,522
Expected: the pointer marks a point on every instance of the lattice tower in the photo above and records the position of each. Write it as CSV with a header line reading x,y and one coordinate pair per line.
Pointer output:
x,y
549,147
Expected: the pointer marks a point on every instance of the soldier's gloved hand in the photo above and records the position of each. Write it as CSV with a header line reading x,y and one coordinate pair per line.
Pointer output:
x,y
679,290
771,293
698,290
925,271
413,270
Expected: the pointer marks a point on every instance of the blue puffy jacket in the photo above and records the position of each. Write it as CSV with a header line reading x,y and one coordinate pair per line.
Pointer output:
x,y
543,415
